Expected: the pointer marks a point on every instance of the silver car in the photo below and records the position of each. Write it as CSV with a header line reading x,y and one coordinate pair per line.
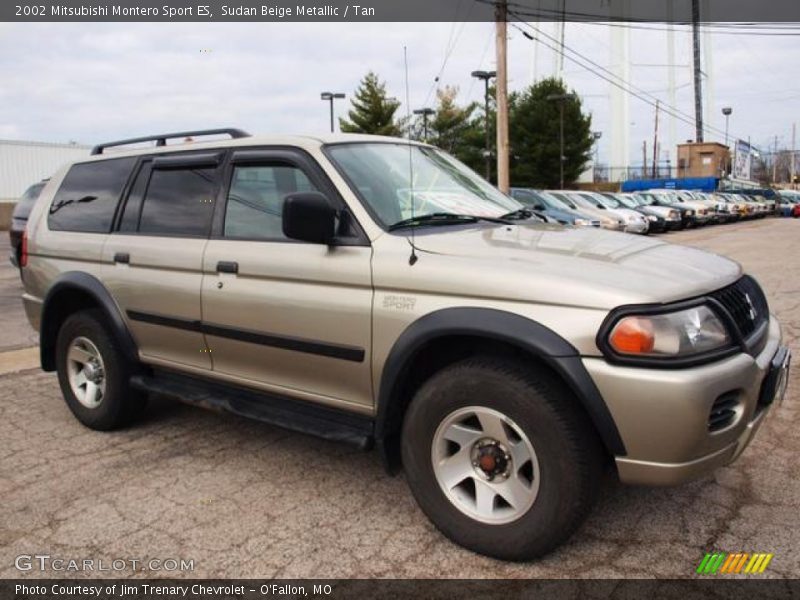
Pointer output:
x,y
608,220
635,222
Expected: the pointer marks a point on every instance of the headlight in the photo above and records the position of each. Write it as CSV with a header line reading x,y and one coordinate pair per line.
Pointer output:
x,y
652,218
690,213
581,223
669,335
674,214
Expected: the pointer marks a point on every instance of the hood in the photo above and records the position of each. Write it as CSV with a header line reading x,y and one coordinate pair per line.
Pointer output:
x,y
565,265
661,211
627,214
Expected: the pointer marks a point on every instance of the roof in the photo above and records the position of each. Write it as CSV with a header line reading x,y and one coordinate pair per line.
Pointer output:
x,y
307,142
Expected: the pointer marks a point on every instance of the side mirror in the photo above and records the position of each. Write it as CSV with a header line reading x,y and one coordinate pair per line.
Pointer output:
x,y
309,217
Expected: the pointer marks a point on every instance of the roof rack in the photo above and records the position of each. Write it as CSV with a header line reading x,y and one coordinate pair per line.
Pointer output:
x,y
161,140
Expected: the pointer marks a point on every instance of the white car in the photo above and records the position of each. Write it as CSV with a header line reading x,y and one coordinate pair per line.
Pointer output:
x,y
701,210
635,222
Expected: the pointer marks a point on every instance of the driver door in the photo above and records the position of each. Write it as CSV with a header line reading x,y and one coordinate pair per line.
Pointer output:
x,y
284,315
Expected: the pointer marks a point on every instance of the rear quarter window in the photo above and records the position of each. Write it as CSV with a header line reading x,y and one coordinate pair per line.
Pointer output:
x,y
88,196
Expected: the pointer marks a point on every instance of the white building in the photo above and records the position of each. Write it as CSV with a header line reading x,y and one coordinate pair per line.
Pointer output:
x,y
24,163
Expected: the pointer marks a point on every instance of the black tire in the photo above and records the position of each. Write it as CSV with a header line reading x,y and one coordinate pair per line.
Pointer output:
x,y
120,405
570,455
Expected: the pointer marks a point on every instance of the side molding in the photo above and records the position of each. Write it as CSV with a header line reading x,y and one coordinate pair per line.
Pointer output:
x,y
502,326
69,283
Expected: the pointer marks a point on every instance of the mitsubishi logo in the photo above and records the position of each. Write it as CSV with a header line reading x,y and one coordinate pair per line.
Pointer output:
x,y
752,313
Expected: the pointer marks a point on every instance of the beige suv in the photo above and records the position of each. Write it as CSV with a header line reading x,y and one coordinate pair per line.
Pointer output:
x,y
376,291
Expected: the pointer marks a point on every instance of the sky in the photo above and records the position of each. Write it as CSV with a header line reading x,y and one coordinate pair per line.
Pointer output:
x,y
93,82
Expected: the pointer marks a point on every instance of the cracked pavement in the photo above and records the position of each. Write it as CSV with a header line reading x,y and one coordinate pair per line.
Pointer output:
x,y
244,499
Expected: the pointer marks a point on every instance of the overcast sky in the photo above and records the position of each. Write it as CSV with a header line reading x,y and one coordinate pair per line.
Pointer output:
x,y
93,82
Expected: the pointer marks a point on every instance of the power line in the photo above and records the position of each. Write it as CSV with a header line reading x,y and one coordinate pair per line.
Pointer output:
x,y
621,83
734,28
449,48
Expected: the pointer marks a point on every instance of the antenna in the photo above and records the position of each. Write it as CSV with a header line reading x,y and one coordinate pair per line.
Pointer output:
x,y
413,258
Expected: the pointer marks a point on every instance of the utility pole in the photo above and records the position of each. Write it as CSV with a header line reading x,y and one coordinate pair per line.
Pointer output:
x,y
791,162
501,16
698,77
655,143
775,162
644,159
425,112
560,98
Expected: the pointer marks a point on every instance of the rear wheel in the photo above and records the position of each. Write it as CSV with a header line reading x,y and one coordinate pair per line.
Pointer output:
x,y
501,458
94,374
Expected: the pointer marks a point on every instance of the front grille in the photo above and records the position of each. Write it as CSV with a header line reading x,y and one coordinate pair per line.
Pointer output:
x,y
723,411
746,303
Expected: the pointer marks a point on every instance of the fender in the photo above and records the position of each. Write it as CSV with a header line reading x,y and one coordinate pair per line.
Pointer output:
x,y
498,325
76,281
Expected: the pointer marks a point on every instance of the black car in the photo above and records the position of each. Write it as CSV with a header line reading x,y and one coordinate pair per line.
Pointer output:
x,y
19,219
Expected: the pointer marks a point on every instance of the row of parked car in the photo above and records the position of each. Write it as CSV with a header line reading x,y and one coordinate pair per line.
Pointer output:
x,y
651,211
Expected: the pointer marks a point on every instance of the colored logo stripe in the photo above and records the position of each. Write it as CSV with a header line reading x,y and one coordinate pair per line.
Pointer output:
x,y
724,563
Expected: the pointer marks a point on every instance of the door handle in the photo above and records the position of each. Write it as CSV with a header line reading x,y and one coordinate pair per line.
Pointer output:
x,y
227,266
122,257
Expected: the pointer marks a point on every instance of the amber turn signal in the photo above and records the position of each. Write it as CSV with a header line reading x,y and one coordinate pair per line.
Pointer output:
x,y
633,335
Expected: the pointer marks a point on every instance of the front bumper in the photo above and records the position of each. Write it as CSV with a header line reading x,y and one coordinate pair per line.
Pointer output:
x,y
663,414
637,227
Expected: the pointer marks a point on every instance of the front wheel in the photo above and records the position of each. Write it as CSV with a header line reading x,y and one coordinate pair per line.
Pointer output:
x,y
501,458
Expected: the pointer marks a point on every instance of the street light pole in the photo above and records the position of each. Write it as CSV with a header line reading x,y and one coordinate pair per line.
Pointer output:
x,y
486,76
596,135
425,112
727,112
560,98
330,96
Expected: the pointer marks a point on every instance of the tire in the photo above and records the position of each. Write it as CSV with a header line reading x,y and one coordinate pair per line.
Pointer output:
x,y
84,337
565,468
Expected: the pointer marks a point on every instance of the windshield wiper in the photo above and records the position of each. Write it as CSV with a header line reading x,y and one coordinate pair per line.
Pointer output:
x,y
443,218
524,213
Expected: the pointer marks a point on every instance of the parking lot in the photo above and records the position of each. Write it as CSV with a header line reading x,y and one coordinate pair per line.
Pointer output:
x,y
244,499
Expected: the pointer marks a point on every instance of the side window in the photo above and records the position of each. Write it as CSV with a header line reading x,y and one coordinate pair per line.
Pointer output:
x,y
179,202
88,196
255,200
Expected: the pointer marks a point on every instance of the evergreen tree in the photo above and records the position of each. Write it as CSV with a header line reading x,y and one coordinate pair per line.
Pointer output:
x,y
534,126
373,112
472,149
455,129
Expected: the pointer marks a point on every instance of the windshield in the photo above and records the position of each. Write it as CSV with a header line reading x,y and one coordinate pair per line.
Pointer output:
x,y
562,198
588,201
628,201
608,201
25,204
381,174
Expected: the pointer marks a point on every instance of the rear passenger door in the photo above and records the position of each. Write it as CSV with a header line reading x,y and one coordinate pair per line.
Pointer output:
x,y
283,315
157,253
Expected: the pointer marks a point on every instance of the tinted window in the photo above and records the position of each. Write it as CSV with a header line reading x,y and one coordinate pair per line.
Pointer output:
x,y
179,202
255,200
24,207
88,196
